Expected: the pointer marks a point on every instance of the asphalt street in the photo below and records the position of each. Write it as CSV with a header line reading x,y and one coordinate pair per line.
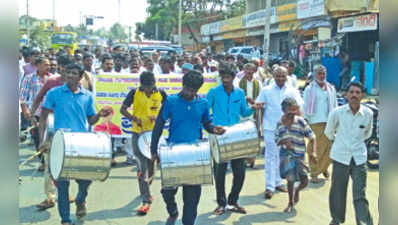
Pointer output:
x,y
116,200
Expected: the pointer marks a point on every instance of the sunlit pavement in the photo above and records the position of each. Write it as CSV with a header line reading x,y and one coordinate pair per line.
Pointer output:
x,y
116,200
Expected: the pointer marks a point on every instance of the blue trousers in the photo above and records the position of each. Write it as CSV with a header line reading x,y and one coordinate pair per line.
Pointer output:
x,y
63,197
191,196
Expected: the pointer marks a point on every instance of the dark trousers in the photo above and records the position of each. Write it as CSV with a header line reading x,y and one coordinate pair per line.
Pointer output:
x,y
238,170
63,197
24,122
190,195
36,139
338,193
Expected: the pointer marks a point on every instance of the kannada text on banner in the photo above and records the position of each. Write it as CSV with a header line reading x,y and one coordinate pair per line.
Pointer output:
x,y
111,90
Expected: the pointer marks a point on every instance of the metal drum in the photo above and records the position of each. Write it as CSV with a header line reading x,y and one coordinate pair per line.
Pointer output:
x,y
185,164
77,155
49,132
144,143
239,141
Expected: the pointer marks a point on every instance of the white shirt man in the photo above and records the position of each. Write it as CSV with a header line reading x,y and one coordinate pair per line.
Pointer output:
x,y
272,97
319,100
349,126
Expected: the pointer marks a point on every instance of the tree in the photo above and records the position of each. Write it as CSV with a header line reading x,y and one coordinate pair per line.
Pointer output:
x,y
117,32
194,15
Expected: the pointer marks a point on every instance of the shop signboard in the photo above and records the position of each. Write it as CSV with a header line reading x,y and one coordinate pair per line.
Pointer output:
x,y
234,23
257,18
235,34
286,12
205,39
257,31
357,23
311,24
218,37
214,28
310,8
205,29
287,26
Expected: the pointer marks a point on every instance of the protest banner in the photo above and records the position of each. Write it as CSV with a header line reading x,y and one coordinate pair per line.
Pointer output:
x,y
112,89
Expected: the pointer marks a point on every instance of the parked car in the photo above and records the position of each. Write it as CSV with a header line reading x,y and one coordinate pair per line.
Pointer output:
x,y
164,50
179,49
248,52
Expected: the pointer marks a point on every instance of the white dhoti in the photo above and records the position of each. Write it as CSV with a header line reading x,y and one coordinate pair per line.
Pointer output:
x,y
271,162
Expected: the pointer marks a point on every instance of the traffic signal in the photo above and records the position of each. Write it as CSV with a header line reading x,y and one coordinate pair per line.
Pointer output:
x,y
89,21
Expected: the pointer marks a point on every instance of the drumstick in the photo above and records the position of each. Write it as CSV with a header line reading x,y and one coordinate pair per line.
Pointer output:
x,y
41,150
29,129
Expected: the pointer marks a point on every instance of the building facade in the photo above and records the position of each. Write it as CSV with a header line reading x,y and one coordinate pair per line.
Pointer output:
x,y
308,31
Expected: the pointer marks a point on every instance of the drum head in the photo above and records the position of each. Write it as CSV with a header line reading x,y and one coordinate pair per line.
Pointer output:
x,y
144,143
57,154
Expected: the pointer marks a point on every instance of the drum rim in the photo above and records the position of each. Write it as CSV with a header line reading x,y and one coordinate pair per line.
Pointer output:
x,y
220,139
110,159
63,158
213,141
138,142
198,143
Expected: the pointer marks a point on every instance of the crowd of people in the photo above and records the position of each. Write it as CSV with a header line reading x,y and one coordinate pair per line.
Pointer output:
x,y
50,78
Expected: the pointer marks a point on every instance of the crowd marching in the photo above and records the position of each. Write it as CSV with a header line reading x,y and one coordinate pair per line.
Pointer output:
x,y
293,123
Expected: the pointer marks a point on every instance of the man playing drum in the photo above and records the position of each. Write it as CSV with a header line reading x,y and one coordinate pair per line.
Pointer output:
x,y
146,101
228,104
187,113
73,107
52,82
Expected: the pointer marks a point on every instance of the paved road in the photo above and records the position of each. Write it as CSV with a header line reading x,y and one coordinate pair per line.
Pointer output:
x,y
116,200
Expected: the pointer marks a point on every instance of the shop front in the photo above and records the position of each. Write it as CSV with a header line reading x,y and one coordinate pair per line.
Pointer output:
x,y
361,44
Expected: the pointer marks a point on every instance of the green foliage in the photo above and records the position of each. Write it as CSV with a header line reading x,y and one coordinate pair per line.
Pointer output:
x,y
117,32
194,14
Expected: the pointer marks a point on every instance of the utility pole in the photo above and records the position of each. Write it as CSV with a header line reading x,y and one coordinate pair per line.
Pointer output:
x,y
129,34
27,22
156,31
267,28
179,23
119,12
53,10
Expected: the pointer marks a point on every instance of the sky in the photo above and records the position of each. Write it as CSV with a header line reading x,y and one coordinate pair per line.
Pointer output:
x,y
71,11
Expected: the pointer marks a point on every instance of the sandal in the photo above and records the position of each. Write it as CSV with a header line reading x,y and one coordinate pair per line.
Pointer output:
x,y
219,210
143,210
315,180
46,204
236,208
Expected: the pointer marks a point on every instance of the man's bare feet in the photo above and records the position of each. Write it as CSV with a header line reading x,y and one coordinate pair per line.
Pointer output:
x,y
289,208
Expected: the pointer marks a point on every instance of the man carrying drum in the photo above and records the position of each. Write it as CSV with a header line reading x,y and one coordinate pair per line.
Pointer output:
x,y
52,82
228,104
146,101
73,107
187,114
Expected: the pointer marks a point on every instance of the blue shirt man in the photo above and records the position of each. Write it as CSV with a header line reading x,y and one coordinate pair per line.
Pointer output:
x,y
228,107
187,114
228,104
73,108
70,109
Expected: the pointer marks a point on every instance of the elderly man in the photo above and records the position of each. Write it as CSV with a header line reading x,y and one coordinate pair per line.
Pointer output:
x,y
349,126
271,97
319,100
251,86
